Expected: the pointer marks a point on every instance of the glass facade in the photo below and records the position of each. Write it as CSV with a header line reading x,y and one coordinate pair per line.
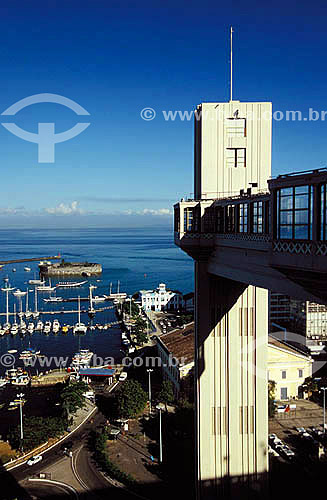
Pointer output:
x,y
188,220
257,221
243,218
323,212
294,213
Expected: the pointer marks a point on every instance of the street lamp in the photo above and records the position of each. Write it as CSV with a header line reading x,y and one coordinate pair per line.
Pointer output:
x,y
324,389
160,407
149,372
20,397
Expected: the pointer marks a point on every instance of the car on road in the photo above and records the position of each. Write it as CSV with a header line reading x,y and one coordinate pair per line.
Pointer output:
x,y
301,430
287,452
34,460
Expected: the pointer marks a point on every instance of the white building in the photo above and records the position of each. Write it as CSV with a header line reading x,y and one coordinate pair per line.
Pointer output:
x,y
161,299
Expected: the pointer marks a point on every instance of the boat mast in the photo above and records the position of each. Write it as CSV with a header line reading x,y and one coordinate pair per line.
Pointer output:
x,y
15,313
26,300
7,299
110,289
118,286
79,310
35,299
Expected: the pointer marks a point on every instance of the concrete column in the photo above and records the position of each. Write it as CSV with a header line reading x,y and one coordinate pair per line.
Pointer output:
x,y
231,386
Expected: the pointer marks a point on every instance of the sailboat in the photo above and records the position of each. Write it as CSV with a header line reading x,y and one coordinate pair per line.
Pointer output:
x,y
46,288
14,326
36,313
36,281
28,313
79,327
7,288
91,311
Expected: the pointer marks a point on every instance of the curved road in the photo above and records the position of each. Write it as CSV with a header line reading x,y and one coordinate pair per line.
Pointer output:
x,y
92,482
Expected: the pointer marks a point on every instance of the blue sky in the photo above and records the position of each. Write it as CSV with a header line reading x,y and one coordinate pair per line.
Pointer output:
x,y
114,61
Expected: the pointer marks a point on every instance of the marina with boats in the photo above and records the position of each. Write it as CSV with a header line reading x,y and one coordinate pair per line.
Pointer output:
x,y
34,313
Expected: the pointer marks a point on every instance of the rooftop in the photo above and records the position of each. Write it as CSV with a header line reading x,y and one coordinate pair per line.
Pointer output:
x,y
180,343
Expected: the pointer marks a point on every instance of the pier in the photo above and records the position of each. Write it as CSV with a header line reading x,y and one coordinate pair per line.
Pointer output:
x,y
63,311
31,259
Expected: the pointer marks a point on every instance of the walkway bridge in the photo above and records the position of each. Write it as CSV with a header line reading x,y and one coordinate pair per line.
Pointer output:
x,y
275,240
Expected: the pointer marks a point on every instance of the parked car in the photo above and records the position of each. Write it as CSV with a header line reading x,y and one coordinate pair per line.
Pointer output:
x,y
34,460
287,452
301,430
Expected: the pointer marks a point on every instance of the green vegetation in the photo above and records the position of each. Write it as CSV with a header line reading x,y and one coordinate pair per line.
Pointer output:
x,y
131,308
130,399
184,319
37,430
166,395
101,457
72,397
271,398
139,330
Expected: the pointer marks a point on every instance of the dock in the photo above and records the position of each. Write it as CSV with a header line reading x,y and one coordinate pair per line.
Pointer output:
x,y
31,259
63,311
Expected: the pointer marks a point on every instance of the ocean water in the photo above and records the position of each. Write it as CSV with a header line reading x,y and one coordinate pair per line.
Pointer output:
x,y
138,258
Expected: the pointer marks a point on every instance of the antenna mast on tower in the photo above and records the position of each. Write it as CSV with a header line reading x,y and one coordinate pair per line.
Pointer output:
x,y
231,63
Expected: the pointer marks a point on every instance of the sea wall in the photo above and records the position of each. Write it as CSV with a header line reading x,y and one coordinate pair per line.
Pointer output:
x,y
71,270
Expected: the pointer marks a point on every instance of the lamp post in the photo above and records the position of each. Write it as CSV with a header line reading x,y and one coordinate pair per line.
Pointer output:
x,y
324,389
20,396
149,372
160,408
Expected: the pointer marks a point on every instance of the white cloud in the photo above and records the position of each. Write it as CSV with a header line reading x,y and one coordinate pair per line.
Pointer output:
x,y
63,209
149,211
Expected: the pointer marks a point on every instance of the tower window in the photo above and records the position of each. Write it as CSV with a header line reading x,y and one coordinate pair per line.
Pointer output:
x,y
236,157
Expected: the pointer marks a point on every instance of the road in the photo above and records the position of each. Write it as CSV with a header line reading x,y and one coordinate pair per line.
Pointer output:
x,y
84,473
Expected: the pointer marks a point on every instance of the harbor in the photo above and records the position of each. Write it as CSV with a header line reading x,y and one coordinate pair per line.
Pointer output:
x,y
31,321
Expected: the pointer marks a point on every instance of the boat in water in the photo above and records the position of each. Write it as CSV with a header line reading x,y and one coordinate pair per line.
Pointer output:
x,y
3,382
29,353
54,299
70,284
19,293
21,380
79,327
27,269
47,327
46,288
30,327
39,325
55,326
82,358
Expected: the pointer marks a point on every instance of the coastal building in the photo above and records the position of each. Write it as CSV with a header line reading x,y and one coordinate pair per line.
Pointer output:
x,y
301,317
161,299
280,310
188,302
176,352
98,375
288,366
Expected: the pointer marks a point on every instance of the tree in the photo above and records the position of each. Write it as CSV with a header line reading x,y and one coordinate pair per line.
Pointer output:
x,y
37,430
141,337
166,395
130,399
72,397
271,397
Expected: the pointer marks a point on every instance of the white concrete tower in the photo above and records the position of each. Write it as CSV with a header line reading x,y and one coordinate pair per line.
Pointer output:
x,y
232,153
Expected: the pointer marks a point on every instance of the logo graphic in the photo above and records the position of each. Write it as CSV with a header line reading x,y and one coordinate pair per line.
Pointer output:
x,y
46,137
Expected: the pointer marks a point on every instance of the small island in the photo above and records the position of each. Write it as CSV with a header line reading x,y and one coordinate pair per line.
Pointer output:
x,y
63,268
